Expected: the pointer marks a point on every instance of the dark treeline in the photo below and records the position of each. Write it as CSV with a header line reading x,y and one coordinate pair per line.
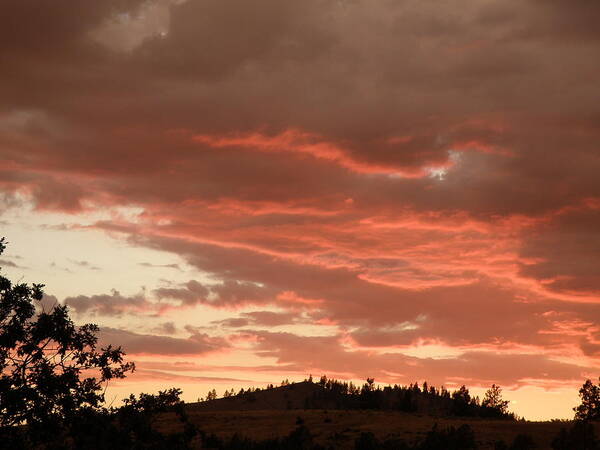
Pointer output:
x,y
413,398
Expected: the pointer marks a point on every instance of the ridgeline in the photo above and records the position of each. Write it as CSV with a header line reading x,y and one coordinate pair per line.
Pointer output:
x,y
335,394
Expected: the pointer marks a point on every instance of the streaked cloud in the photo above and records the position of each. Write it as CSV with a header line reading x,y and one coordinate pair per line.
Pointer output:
x,y
335,184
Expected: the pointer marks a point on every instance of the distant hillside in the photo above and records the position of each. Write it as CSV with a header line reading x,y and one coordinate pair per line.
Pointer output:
x,y
291,396
334,394
331,414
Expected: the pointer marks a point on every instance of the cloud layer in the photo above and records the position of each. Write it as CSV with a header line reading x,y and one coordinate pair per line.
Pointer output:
x,y
400,174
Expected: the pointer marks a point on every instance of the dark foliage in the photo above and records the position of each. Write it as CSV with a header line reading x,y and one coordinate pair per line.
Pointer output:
x,y
413,398
581,436
589,409
299,439
461,438
136,420
500,445
493,400
133,425
52,381
523,442
368,441
43,357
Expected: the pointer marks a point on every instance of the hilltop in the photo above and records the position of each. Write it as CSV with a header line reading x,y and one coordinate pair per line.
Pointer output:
x,y
291,396
335,394
333,415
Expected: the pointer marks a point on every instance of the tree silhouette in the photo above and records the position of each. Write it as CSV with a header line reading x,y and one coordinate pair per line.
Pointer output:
x,y
337,394
212,395
462,401
43,357
589,409
493,400
137,417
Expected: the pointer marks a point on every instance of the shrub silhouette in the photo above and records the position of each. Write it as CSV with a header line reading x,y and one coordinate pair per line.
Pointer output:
x,y
298,439
367,441
580,437
523,442
461,438
132,426
500,445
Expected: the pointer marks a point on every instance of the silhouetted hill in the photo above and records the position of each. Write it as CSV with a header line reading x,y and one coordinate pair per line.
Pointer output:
x,y
334,394
291,396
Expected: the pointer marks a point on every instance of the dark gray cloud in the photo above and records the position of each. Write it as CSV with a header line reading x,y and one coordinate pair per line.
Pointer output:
x,y
262,318
8,263
192,293
160,266
134,343
228,293
114,304
84,264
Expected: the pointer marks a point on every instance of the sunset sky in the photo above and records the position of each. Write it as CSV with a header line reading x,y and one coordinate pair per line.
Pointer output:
x,y
241,191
